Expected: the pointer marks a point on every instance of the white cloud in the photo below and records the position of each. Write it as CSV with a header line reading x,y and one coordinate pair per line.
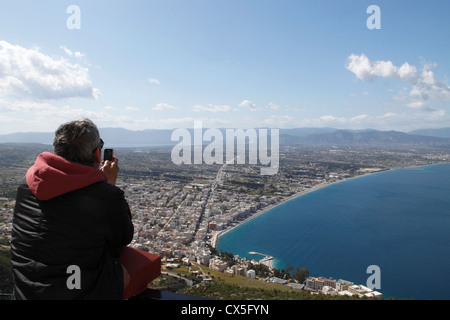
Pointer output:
x,y
405,121
368,71
164,107
28,73
425,87
388,121
408,73
278,121
70,53
43,116
211,108
416,105
154,81
273,106
130,108
247,104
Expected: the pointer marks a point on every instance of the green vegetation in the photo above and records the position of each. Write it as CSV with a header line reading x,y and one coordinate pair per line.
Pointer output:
x,y
165,282
221,290
233,287
299,275
262,270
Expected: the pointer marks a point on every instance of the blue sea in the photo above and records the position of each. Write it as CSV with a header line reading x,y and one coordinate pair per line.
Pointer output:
x,y
398,220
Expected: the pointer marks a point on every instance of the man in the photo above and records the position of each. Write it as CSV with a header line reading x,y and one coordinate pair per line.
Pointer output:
x,y
70,222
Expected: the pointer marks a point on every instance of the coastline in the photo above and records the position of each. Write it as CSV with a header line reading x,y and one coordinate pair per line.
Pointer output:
x,y
218,234
215,237
428,182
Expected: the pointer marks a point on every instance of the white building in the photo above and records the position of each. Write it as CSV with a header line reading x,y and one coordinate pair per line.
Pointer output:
x,y
251,273
342,285
363,291
218,265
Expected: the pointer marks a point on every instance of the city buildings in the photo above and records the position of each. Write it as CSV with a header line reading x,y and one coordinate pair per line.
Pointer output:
x,y
179,211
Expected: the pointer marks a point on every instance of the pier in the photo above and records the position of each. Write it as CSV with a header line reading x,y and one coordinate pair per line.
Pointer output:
x,y
267,260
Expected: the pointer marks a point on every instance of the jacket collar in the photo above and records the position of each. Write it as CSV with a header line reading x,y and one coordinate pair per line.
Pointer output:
x,y
52,176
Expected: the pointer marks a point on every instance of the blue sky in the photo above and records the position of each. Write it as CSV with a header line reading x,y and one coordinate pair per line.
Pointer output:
x,y
231,64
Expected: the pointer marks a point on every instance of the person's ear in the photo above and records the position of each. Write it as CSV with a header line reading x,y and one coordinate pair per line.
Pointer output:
x,y
97,155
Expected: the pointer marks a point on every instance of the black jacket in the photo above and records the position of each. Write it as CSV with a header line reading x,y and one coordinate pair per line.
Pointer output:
x,y
84,228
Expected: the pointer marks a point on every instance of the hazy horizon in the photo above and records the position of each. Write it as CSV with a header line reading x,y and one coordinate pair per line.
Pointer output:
x,y
224,128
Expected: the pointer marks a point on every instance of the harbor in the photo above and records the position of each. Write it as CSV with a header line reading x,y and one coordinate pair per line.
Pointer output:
x,y
267,260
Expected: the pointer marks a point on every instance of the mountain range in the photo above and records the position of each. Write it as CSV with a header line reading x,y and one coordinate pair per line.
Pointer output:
x,y
119,137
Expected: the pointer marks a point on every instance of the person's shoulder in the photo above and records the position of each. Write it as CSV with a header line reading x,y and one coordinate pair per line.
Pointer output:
x,y
105,189
23,191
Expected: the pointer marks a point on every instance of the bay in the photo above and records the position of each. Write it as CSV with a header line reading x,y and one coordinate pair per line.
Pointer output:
x,y
398,220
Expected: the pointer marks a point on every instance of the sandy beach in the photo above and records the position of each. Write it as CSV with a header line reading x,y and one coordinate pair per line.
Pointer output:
x,y
321,185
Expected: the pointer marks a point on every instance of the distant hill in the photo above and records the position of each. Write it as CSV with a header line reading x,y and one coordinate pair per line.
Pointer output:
x,y
120,137
367,138
441,133
304,132
28,137
112,136
125,137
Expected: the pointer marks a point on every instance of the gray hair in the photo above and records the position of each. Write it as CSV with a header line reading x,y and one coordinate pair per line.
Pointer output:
x,y
76,141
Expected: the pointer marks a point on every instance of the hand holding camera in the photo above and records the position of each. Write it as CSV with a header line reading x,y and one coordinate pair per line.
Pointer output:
x,y
110,166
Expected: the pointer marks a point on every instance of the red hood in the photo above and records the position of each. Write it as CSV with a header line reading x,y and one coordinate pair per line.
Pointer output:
x,y
52,176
